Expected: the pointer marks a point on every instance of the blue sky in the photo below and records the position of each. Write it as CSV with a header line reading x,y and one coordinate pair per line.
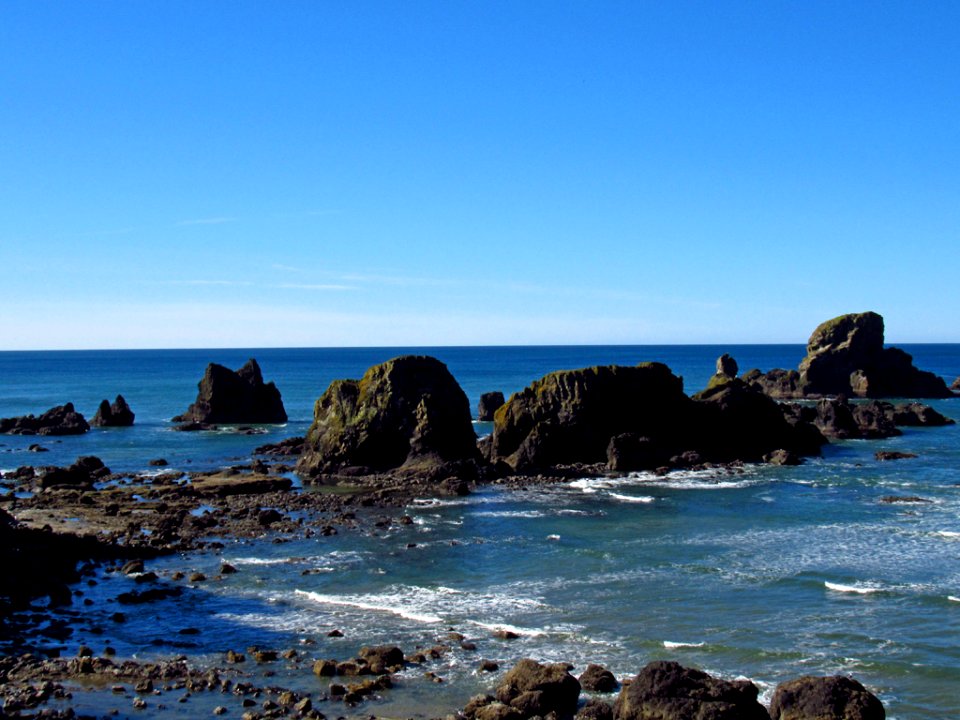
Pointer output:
x,y
209,174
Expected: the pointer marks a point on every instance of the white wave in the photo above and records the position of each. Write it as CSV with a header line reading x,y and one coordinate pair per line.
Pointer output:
x,y
495,627
435,502
510,513
674,645
953,598
857,589
568,511
394,610
262,561
553,537
948,533
632,498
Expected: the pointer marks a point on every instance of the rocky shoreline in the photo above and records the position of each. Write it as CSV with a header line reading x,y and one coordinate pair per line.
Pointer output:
x,y
401,432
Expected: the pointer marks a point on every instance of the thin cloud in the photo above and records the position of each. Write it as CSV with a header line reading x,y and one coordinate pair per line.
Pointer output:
x,y
312,286
207,221
214,283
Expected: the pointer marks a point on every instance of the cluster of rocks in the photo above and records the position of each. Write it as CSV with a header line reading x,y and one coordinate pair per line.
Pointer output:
x,y
666,690
846,356
59,420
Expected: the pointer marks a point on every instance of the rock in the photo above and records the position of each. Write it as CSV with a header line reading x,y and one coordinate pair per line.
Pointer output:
x,y
284,448
83,473
60,420
382,658
595,709
227,569
229,397
782,457
407,414
955,385
778,384
268,517
825,698
535,689
916,415
597,678
668,691
132,566
117,414
628,452
158,462
727,366
489,666
893,455
489,402
904,499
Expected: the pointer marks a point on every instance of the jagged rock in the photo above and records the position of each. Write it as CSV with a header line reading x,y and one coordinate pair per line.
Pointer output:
x,y
535,689
778,384
916,415
406,414
230,397
597,678
117,414
825,698
59,420
489,402
84,472
669,691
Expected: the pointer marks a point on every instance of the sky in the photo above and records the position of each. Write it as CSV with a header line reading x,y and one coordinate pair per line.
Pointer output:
x,y
281,174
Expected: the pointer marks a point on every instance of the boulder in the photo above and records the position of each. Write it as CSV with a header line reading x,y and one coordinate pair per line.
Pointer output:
x,y
59,420
489,402
406,414
727,366
825,698
229,397
535,689
117,414
83,473
668,691
597,678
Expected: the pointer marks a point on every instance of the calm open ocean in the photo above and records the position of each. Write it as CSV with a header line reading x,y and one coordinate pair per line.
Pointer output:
x,y
770,574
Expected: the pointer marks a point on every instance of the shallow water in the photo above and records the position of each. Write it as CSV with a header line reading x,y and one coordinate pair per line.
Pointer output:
x,y
770,573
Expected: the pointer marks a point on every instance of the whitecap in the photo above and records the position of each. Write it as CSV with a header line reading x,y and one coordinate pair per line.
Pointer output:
x,y
553,537
510,513
632,498
948,534
670,645
361,605
953,598
857,589
496,627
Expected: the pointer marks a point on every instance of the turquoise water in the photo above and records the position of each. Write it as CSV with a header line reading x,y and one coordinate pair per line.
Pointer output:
x,y
769,574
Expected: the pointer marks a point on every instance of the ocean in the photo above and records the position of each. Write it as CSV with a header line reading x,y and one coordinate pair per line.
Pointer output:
x,y
770,573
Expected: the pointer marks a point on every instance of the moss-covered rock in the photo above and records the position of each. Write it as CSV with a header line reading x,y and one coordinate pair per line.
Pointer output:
x,y
407,413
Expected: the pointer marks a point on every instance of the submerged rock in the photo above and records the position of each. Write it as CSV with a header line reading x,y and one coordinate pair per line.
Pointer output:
x,y
117,414
825,698
669,691
406,414
59,420
231,398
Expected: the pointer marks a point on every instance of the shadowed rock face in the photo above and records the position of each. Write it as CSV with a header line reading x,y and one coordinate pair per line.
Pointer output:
x,y
669,691
117,414
636,418
232,397
846,356
407,413
825,698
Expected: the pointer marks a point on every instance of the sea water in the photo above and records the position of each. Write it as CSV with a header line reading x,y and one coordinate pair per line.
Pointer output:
x,y
767,573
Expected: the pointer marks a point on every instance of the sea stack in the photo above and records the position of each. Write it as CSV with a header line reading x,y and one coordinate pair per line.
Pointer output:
x,y
230,397
117,414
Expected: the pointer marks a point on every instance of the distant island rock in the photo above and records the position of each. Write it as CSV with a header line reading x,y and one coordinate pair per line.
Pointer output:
x,y
846,356
233,397
408,414
117,414
59,420
489,402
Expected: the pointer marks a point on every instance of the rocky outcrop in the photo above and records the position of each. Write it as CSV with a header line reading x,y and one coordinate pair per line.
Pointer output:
x,y
638,418
871,420
117,414
669,691
83,473
60,420
228,397
533,689
489,402
407,414
825,698
846,356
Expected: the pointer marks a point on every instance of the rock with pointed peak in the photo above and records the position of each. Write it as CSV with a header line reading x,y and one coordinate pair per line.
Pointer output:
x,y
233,397
117,414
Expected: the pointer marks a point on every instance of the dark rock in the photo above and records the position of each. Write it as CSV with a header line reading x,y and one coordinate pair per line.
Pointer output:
x,y
489,666
904,499
37,448
727,366
117,414
325,668
668,691
595,709
229,397
825,698
382,658
630,451
284,448
597,678
268,517
407,414
60,420
778,384
158,462
873,421
536,689
782,457
955,385
489,403
893,455
916,415
83,473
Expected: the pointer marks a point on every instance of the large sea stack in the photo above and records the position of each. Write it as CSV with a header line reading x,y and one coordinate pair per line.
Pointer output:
x,y
237,397
846,356
407,414
636,418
